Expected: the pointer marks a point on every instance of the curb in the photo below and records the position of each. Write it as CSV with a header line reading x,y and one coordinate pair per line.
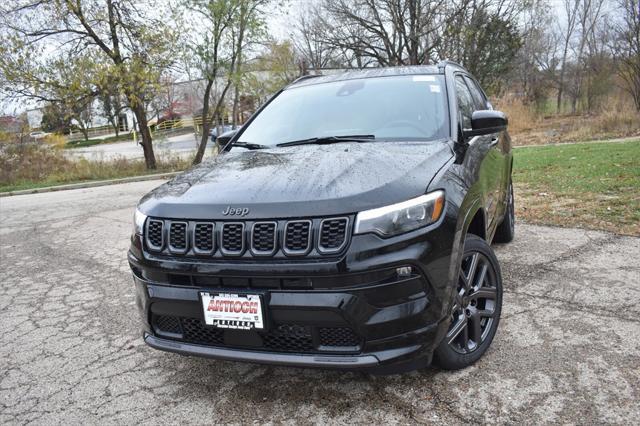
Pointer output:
x,y
91,184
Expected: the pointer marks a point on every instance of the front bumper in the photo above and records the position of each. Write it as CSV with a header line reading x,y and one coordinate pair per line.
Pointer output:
x,y
373,362
347,313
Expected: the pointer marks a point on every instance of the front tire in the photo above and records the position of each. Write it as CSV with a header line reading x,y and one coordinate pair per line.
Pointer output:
x,y
475,313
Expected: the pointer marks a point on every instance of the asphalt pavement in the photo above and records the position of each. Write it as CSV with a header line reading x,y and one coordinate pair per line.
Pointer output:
x,y
180,145
567,350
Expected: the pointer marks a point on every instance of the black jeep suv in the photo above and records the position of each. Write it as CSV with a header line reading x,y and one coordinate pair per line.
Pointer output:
x,y
346,225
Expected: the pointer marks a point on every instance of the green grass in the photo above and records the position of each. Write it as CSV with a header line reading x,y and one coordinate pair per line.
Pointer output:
x,y
82,143
594,185
64,180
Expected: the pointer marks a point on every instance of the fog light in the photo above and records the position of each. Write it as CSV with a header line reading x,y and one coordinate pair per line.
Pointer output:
x,y
403,271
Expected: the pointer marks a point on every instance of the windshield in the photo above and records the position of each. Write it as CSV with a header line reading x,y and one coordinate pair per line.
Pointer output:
x,y
389,108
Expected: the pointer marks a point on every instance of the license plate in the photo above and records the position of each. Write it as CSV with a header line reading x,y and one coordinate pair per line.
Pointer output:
x,y
239,311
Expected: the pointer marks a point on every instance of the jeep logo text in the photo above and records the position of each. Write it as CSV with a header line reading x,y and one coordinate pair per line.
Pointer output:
x,y
238,211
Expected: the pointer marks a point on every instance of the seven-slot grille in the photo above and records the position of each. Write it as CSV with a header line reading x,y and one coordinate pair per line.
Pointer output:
x,y
332,234
263,237
277,238
232,238
178,237
297,238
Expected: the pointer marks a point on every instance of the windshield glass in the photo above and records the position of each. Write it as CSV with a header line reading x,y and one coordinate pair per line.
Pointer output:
x,y
390,108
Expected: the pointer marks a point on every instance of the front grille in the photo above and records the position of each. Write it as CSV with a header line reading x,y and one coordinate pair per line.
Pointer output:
x,y
279,239
297,238
263,238
203,238
178,237
333,234
289,338
338,336
232,238
280,338
166,324
155,234
195,332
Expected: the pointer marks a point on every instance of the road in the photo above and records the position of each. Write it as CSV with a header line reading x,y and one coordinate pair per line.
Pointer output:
x,y
567,350
182,145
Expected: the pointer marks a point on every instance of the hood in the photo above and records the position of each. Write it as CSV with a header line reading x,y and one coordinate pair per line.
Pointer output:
x,y
300,181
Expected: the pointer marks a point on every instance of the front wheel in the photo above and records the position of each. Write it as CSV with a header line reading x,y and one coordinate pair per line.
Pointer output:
x,y
477,304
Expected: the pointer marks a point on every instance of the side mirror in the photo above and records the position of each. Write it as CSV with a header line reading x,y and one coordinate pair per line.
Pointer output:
x,y
484,122
224,139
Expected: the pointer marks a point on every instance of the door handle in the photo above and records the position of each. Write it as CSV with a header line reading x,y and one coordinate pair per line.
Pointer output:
x,y
494,142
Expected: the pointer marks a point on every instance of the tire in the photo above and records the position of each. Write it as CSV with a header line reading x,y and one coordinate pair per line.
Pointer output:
x,y
475,312
507,229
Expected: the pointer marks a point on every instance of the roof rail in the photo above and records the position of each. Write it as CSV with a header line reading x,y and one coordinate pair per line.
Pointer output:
x,y
305,77
442,64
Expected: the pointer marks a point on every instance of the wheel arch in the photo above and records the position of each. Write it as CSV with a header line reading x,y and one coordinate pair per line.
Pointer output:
x,y
477,225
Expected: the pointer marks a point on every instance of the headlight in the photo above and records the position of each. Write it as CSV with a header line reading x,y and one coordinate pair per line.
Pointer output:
x,y
138,222
401,217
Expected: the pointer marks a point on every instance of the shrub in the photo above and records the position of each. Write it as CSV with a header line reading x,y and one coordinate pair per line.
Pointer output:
x,y
55,140
32,165
30,162
522,117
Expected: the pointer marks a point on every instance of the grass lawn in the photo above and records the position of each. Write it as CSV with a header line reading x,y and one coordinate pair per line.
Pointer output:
x,y
90,174
111,139
590,185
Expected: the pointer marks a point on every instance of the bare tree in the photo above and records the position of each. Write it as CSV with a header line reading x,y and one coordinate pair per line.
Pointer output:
x,y
310,39
389,32
537,59
587,15
627,47
571,12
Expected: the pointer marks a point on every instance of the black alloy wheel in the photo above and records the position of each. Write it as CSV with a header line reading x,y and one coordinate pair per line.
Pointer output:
x,y
476,307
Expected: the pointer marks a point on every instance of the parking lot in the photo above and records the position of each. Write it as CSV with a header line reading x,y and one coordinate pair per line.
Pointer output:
x,y
567,350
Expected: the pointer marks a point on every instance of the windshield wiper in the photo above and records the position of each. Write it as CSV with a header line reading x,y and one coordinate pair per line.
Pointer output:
x,y
249,145
330,139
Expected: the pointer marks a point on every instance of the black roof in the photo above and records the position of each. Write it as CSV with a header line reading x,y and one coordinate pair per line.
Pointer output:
x,y
366,73
308,80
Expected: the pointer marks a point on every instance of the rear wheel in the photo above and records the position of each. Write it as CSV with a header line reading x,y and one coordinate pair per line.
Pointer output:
x,y
475,313
507,229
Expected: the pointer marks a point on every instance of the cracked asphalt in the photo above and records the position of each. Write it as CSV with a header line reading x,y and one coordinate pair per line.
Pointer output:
x,y
567,350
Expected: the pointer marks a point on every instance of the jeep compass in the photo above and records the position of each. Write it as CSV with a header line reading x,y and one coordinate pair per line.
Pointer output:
x,y
347,224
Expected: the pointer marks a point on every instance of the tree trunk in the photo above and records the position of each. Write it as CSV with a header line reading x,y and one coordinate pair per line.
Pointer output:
x,y
559,100
206,124
236,96
114,125
145,136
